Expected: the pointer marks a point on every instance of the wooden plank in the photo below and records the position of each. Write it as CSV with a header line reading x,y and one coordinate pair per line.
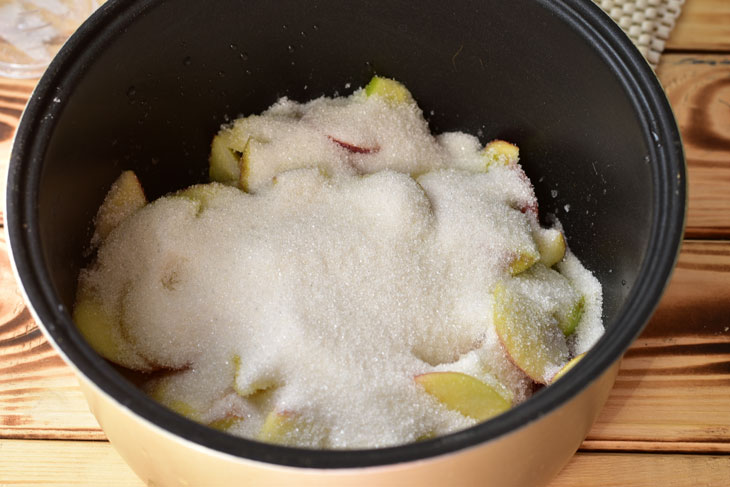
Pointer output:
x,y
640,470
83,463
13,97
39,394
703,25
79,463
673,388
698,88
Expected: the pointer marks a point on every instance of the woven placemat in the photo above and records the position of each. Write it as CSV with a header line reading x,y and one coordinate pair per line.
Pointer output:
x,y
647,22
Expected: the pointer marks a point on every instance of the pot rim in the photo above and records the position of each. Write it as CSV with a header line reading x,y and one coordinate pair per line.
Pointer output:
x,y
667,228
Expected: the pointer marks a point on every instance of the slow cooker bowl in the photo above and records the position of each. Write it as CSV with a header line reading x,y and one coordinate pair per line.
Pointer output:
x,y
144,85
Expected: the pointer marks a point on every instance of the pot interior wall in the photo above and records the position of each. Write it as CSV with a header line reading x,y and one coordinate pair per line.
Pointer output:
x,y
149,96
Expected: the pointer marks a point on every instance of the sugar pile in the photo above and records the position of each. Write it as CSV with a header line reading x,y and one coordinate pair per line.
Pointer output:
x,y
325,292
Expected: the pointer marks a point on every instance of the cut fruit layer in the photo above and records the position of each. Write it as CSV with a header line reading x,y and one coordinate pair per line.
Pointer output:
x,y
464,393
224,159
569,321
565,368
101,329
125,197
291,429
500,153
531,338
388,89
551,245
202,194
523,261
246,388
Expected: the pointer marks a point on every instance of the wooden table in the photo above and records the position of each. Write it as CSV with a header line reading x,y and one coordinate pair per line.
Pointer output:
x,y
667,421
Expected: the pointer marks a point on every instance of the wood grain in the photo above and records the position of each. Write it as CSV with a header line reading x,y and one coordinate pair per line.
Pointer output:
x,y
13,97
673,389
626,470
698,88
39,395
91,464
78,463
704,25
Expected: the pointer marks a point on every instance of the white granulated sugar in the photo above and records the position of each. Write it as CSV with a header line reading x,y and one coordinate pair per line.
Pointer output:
x,y
591,326
369,256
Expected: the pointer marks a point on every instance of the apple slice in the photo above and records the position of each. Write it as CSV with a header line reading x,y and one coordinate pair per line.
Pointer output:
x,y
97,327
569,320
290,428
160,392
551,245
464,393
245,387
279,427
529,335
202,194
500,153
102,330
523,261
355,149
389,89
224,424
224,159
559,298
244,168
125,197
565,368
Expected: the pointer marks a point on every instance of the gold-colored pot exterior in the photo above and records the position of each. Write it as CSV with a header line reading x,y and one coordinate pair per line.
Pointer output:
x,y
530,456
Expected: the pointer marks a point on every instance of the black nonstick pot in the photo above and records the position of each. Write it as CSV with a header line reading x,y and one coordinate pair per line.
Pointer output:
x,y
144,85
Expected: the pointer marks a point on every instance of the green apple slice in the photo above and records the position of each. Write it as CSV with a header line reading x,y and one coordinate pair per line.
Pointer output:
x,y
291,429
246,388
551,245
530,335
224,424
224,159
258,169
279,427
244,169
564,304
565,368
464,393
125,197
523,261
160,392
102,330
97,327
202,194
569,321
500,153
389,89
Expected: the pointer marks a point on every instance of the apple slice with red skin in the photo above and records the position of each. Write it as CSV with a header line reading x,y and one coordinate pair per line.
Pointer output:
x,y
532,339
353,148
